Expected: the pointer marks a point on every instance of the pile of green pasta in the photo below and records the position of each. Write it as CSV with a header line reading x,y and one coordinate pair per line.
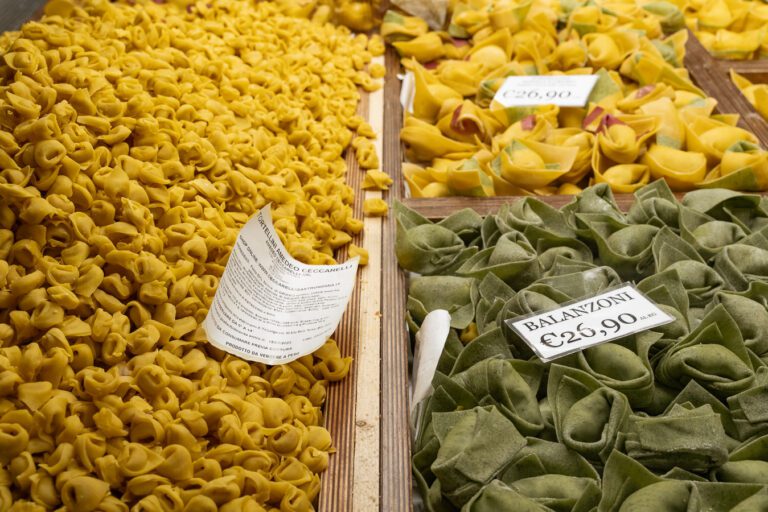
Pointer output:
x,y
671,419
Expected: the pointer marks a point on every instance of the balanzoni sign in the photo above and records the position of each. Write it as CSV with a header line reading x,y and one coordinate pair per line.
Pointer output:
x,y
573,312
612,314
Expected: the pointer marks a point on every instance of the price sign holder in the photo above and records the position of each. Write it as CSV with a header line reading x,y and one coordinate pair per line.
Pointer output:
x,y
586,322
534,90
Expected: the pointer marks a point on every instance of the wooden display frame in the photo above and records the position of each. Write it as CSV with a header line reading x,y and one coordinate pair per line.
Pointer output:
x,y
712,76
352,408
396,494
756,71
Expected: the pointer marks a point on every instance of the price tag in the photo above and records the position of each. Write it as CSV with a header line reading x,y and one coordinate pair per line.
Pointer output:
x,y
531,91
612,314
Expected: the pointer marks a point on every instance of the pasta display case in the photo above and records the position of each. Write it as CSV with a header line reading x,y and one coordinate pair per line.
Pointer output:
x,y
298,255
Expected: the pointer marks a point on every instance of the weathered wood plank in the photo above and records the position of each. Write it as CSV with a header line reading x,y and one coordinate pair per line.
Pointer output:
x,y
340,407
352,410
395,431
441,207
711,75
365,493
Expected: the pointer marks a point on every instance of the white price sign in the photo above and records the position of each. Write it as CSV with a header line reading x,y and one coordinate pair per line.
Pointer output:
x,y
534,90
588,322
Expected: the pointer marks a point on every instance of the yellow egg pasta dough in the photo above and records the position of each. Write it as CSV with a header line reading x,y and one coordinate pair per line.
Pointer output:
x,y
136,138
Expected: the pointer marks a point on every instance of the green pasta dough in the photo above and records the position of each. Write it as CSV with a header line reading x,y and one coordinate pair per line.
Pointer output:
x,y
671,418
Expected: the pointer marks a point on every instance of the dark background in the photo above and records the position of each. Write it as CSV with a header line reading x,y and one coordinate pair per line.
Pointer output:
x,y
15,12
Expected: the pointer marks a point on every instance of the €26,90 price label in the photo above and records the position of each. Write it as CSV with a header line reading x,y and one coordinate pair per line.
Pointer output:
x,y
612,314
562,90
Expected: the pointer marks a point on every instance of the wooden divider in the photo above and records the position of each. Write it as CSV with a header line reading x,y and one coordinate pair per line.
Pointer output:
x,y
396,493
352,409
441,207
713,76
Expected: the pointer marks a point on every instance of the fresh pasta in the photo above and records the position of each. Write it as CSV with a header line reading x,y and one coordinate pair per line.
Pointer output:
x,y
643,120
135,141
729,30
756,94
667,418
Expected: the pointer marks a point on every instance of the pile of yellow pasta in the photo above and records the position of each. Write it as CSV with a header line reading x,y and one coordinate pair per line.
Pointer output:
x,y
134,143
729,29
359,15
645,119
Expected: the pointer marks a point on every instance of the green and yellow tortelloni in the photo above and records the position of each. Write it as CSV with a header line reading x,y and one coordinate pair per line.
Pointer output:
x,y
644,119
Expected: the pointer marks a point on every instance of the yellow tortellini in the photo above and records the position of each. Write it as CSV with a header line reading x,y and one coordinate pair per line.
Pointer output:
x,y
376,179
756,94
359,251
375,207
136,138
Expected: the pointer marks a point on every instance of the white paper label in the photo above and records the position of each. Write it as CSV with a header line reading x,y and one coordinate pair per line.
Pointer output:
x,y
572,327
270,307
531,91
430,341
408,91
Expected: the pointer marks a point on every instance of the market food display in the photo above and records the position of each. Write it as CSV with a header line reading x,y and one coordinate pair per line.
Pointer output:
x,y
675,414
135,141
732,29
138,137
644,119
